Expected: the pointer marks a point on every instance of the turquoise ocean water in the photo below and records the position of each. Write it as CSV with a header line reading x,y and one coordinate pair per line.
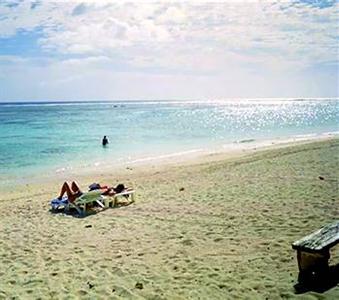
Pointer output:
x,y
55,137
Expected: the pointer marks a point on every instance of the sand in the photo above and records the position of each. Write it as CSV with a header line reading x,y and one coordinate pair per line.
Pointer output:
x,y
218,228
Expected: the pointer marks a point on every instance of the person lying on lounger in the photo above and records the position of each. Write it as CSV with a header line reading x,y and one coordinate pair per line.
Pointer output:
x,y
73,192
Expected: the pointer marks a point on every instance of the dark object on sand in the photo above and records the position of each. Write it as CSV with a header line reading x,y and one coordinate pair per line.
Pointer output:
x,y
181,189
321,178
139,286
88,226
90,285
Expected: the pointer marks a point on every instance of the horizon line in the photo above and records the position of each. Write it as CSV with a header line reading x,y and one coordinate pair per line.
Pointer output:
x,y
169,100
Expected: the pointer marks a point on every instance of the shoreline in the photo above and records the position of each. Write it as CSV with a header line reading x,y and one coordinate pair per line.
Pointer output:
x,y
189,157
129,174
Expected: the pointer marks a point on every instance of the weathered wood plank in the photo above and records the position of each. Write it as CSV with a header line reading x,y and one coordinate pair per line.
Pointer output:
x,y
322,239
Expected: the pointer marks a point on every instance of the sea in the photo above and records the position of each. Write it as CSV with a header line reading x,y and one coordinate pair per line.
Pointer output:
x,y
45,138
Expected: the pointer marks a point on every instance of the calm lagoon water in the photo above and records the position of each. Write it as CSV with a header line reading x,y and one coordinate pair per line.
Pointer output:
x,y
54,137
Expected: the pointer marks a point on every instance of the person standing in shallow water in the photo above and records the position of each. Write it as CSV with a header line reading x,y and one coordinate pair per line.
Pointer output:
x,y
104,141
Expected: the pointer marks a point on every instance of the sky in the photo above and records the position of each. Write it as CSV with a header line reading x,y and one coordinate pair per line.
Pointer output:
x,y
158,50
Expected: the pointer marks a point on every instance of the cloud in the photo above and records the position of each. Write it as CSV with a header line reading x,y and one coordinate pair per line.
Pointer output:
x,y
222,40
285,29
79,9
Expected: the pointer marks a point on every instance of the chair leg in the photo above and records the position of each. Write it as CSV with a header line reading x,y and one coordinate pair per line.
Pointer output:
x,y
100,204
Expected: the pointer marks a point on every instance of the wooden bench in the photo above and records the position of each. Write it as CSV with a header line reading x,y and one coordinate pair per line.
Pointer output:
x,y
313,252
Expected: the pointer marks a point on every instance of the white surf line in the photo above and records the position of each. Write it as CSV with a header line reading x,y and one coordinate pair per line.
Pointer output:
x,y
176,154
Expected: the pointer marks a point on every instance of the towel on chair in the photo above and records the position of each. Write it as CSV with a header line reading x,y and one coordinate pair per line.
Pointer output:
x,y
59,203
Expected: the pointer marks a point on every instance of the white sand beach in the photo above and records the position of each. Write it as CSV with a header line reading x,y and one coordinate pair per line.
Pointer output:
x,y
214,227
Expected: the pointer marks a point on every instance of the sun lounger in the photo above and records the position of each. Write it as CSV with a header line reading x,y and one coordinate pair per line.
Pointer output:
x,y
111,201
80,204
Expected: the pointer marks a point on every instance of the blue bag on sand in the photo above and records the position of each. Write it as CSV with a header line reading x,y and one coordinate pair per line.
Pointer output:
x,y
58,204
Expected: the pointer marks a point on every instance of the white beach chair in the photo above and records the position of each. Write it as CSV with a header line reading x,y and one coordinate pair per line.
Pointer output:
x,y
80,204
111,201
